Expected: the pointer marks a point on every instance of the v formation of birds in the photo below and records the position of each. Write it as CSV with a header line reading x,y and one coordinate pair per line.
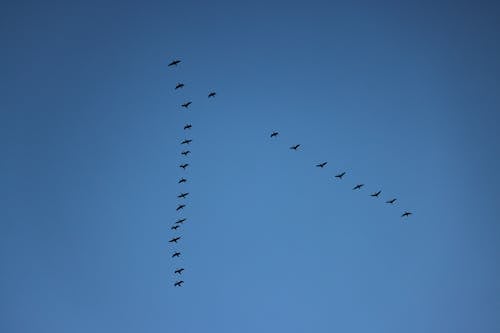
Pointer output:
x,y
184,165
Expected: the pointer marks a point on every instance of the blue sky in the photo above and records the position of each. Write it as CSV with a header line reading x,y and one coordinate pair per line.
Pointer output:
x,y
403,96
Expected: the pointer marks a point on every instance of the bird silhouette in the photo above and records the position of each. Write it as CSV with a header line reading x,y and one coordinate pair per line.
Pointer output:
x,y
375,194
183,195
212,94
187,126
391,201
186,105
179,283
340,175
179,85
321,165
357,187
185,152
186,141
176,254
182,180
179,271
405,214
179,221
295,147
184,166
174,63
174,227
174,240
179,207
274,134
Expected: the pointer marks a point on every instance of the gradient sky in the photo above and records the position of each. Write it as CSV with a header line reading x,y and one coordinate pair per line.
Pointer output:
x,y
403,95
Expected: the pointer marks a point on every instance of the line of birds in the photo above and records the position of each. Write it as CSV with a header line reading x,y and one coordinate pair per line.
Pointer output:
x,y
340,176
182,180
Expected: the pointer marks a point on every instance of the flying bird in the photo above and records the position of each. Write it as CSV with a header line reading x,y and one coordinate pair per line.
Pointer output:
x,y
183,195
185,152
178,271
179,85
405,214
184,166
182,180
179,207
178,283
375,194
391,201
174,227
174,240
357,187
321,165
273,134
340,175
180,221
186,142
295,147
186,105
174,63
176,254
187,126
212,94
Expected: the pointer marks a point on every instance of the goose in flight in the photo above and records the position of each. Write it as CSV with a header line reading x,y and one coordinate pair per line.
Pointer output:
x,y
179,85
375,195
185,152
295,147
212,94
321,165
186,105
174,63
186,142
391,201
178,271
187,126
273,134
179,283
184,166
180,221
405,214
174,227
174,240
357,187
182,180
340,175
179,207
176,254
183,195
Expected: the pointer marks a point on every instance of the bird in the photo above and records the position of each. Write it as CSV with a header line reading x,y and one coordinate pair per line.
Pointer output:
x,y
186,141
180,221
391,201
405,214
182,180
184,166
340,175
178,271
186,105
174,240
321,165
357,187
174,227
183,195
185,152
212,94
187,126
295,147
179,207
174,63
375,194
178,283
273,134
179,85
176,254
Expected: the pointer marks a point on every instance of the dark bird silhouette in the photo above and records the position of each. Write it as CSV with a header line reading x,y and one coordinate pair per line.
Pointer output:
x,y
174,227
185,152
176,254
183,195
340,175
182,180
186,105
273,134
179,271
321,165
179,85
391,201
174,240
295,147
186,142
357,187
179,207
405,214
184,166
174,63
179,283
187,126
212,94
375,194
180,221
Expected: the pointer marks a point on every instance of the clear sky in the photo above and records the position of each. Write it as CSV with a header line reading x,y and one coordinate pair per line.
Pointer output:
x,y
402,95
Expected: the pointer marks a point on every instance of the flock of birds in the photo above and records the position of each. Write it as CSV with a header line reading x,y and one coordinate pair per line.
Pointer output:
x,y
182,196
340,176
